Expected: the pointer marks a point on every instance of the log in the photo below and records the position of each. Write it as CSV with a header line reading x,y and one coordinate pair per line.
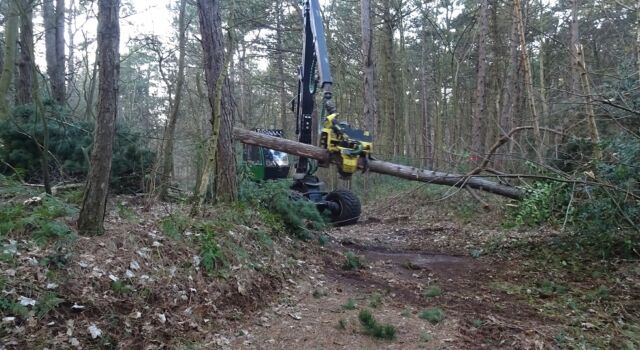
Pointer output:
x,y
379,166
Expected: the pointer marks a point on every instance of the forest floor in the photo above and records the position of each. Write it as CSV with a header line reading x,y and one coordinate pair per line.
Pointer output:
x,y
433,275
447,278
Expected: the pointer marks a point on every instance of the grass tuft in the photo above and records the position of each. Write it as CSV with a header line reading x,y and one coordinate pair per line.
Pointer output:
x,y
432,292
375,329
434,315
349,305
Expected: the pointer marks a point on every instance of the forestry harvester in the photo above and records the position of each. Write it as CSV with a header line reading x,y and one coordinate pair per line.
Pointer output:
x,y
348,148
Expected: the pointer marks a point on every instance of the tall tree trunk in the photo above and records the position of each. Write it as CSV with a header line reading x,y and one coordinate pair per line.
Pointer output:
x,y
71,58
480,105
369,98
226,160
94,202
170,130
509,98
213,50
528,82
638,38
24,81
387,124
282,95
586,91
573,49
427,124
10,38
54,42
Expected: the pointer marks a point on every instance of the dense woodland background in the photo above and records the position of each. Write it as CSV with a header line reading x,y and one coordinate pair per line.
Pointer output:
x,y
522,88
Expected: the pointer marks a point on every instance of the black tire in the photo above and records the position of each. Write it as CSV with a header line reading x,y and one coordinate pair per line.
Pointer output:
x,y
349,207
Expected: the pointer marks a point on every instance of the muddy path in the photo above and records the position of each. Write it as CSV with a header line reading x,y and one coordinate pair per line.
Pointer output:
x,y
406,269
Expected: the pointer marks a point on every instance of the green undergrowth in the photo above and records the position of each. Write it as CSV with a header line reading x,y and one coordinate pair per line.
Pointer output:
x,y
590,297
434,316
374,328
23,214
300,217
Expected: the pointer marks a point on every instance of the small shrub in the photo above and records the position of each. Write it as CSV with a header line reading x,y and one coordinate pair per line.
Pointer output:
x,y
376,300
46,304
120,287
297,215
319,293
342,324
549,288
352,262
432,292
174,225
601,293
39,220
434,315
349,305
375,329
210,252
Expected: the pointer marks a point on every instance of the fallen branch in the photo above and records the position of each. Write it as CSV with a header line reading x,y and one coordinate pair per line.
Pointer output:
x,y
379,166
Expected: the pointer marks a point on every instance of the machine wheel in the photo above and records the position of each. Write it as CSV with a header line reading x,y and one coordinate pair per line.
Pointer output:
x,y
349,207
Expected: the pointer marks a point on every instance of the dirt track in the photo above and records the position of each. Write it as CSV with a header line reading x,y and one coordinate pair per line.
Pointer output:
x,y
402,259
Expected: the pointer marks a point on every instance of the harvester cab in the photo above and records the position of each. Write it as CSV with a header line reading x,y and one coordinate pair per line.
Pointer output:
x,y
265,163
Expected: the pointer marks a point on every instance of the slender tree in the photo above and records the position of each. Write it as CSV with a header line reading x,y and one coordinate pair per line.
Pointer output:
x,y
94,203
11,37
24,81
170,129
54,15
480,105
368,65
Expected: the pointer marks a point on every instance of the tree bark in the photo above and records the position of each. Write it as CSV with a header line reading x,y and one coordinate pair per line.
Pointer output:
x,y
378,166
24,81
214,60
480,105
11,36
370,113
170,130
427,120
528,82
282,95
54,42
94,202
509,98
226,187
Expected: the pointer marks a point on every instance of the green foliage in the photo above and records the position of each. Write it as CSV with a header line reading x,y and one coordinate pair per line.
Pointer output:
x,y
434,315
375,329
352,262
432,292
37,219
349,305
550,288
298,215
342,324
210,251
70,145
539,204
174,225
46,304
10,307
120,287
601,207
376,300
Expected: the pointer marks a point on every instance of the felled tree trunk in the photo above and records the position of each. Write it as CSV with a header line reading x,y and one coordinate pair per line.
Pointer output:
x,y
379,166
